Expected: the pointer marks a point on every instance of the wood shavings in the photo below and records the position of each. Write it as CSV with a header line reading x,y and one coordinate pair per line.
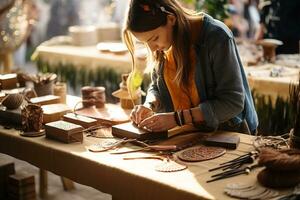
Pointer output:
x,y
275,142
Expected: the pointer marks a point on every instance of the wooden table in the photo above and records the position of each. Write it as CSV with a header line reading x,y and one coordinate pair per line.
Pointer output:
x,y
123,179
278,86
87,56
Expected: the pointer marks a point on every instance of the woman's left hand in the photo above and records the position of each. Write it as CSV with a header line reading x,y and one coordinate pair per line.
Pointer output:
x,y
159,122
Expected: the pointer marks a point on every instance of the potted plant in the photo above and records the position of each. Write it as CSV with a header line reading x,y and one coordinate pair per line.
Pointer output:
x,y
295,114
43,83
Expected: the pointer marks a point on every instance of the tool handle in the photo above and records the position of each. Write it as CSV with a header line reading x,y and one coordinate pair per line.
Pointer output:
x,y
163,147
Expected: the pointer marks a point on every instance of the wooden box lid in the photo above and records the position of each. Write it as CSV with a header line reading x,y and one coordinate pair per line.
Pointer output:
x,y
64,131
83,121
45,100
54,112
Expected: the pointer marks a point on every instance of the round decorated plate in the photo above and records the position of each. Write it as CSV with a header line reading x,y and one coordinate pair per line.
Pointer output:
x,y
33,133
201,153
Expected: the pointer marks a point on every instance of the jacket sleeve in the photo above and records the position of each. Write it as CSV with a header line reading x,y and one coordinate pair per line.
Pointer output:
x,y
227,99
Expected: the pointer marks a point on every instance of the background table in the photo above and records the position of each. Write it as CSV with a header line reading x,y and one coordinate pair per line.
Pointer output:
x,y
91,58
87,56
81,66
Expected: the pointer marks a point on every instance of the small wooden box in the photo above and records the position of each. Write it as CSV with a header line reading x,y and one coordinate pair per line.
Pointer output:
x,y
45,100
20,179
27,196
21,186
83,121
11,117
7,168
8,81
64,131
54,112
129,130
18,191
226,140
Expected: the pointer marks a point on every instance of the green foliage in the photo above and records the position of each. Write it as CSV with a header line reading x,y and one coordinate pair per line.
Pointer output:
x,y
77,77
294,94
273,120
215,8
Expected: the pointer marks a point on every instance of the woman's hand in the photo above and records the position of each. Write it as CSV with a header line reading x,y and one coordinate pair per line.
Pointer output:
x,y
139,113
158,122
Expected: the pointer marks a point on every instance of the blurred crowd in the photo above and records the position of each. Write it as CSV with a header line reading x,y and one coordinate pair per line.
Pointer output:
x,y
274,19
248,19
53,18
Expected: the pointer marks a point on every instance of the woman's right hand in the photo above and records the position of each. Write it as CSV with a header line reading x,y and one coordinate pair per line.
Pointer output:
x,y
139,113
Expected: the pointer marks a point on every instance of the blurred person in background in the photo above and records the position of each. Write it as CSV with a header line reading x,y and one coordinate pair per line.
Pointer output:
x,y
251,14
19,55
280,19
63,13
236,21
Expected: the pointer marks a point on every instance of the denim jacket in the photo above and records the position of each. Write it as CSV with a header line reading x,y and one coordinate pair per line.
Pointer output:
x,y
220,79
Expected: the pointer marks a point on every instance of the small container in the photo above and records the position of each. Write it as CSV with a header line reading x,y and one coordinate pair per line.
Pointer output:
x,y
60,89
43,89
99,96
86,93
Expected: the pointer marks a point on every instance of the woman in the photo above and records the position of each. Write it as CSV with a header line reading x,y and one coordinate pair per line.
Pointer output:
x,y
197,75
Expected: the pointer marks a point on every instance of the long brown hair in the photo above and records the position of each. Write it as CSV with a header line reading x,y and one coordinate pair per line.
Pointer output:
x,y
146,15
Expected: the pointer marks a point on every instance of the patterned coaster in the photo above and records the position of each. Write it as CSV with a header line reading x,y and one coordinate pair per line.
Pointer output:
x,y
239,186
33,134
104,145
169,166
201,153
244,191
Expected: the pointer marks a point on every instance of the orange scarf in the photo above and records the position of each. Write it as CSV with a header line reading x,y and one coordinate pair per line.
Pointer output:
x,y
181,98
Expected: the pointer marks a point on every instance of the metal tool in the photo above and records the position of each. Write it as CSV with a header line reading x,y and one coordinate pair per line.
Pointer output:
x,y
235,164
149,147
232,173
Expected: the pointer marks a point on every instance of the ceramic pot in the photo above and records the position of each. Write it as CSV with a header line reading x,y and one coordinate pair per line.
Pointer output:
x,y
44,89
13,101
